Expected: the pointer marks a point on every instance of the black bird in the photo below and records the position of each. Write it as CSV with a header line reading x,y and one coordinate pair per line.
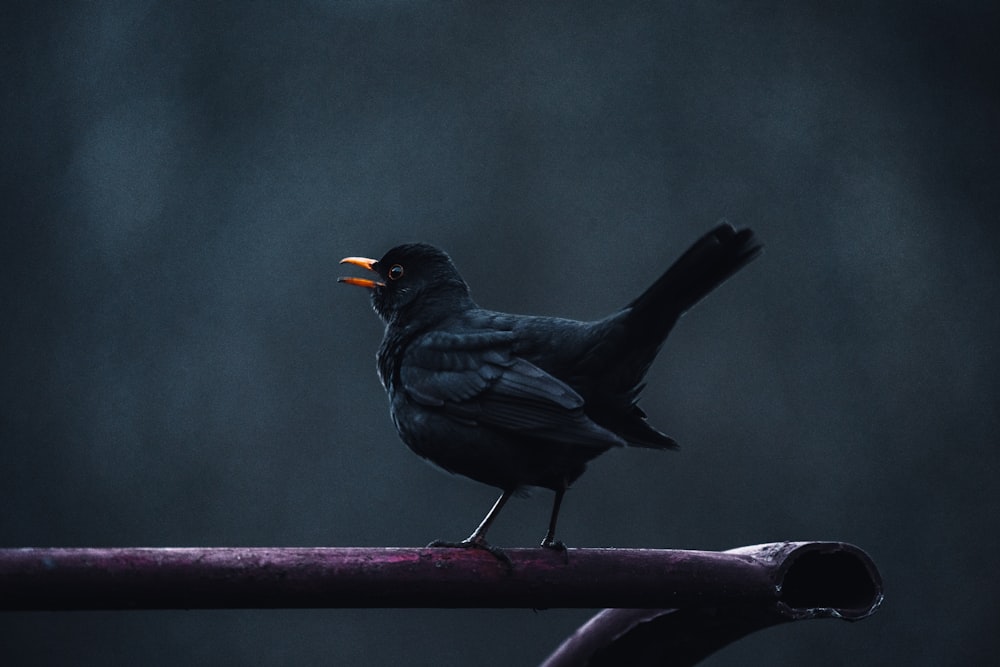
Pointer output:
x,y
519,401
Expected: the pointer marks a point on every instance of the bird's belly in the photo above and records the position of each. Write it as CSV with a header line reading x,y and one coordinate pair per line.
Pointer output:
x,y
499,458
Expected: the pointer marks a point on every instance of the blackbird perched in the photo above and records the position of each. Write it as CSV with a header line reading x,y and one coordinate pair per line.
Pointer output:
x,y
518,401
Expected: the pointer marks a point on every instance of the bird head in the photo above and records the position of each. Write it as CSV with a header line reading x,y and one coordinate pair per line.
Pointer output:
x,y
415,277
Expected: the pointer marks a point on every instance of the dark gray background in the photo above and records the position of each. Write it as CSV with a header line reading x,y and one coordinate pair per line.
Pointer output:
x,y
179,367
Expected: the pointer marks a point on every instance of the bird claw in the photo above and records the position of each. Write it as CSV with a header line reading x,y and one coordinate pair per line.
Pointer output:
x,y
556,545
474,543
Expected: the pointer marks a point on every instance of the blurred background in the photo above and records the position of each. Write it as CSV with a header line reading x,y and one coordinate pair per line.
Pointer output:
x,y
178,366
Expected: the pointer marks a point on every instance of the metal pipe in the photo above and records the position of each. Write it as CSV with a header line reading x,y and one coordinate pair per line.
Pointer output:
x,y
204,578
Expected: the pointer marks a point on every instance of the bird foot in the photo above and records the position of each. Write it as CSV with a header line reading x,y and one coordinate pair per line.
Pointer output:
x,y
556,545
476,543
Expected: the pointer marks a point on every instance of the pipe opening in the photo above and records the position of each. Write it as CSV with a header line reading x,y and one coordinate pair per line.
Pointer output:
x,y
832,580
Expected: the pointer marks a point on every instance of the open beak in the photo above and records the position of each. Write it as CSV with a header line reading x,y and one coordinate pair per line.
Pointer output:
x,y
364,263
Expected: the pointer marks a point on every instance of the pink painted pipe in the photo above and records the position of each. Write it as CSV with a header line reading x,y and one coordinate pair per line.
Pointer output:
x,y
793,576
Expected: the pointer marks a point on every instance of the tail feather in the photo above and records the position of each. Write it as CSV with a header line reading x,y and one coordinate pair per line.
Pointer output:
x,y
641,327
706,265
638,432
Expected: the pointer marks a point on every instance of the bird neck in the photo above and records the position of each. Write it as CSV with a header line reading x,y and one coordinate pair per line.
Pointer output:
x,y
410,321
432,307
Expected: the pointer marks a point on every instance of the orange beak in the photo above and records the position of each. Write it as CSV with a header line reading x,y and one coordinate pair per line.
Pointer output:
x,y
364,263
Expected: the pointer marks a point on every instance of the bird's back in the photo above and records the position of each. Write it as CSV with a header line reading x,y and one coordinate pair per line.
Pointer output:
x,y
596,359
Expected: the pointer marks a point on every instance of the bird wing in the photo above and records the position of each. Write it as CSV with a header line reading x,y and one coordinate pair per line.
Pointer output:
x,y
476,377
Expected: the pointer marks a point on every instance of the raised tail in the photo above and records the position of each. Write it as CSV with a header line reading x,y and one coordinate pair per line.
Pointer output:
x,y
706,265
646,322
631,337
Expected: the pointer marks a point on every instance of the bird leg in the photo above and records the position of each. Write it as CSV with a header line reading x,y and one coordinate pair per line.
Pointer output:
x,y
550,541
479,534
478,538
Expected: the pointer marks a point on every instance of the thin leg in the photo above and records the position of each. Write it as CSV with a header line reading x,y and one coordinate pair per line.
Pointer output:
x,y
478,538
479,534
550,541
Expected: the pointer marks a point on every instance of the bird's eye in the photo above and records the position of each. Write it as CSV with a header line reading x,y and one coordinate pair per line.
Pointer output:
x,y
395,272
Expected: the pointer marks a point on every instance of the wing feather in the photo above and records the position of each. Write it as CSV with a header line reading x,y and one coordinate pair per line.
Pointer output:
x,y
475,376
